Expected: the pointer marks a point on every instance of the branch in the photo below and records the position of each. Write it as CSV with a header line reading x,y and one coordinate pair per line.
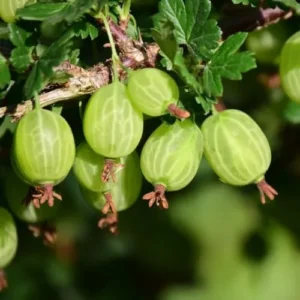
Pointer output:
x,y
249,19
133,55
83,82
136,54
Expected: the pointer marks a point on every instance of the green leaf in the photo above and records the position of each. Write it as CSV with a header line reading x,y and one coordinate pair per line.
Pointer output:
x,y
174,60
18,36
4,31
40,11
4,72
174,57
60,77
21,56
74,10
292,112
289,3
4,92
228,64
51,57
191,25
271,3
85,29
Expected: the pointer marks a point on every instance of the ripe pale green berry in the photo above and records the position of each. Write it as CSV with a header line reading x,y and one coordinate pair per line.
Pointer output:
x,y
18,195
118,196
290,67
237,150
267,43
8,238
8,8
126,189
43,150
154,92
112,126
170,158
88,167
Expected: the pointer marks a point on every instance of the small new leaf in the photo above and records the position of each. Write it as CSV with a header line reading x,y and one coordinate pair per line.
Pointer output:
x,y
4,73
191,25
228,64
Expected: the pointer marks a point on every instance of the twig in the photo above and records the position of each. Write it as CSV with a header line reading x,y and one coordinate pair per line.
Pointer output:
x,y
85,82
136,54
249,19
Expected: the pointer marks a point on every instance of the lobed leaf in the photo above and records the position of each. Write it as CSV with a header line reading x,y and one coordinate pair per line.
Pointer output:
x,y
228,64
21,56
191,25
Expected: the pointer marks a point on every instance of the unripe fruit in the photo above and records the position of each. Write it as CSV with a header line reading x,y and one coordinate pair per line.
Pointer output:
x,y
237,150
112,126
154,92
170,158
8,8
88,167
120,195
267,42
19,195
8,238
290,67
43,150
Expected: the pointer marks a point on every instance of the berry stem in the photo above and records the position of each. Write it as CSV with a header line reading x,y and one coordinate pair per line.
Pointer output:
x,y
178,112
114,56
265,189
158,197
37,101
109,205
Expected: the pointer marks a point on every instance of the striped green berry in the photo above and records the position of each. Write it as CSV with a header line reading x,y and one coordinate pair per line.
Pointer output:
x,y
112,126
171,157
154,92
88,167
8,8
290,67
18,195
120,195
237,149
8,238
43,150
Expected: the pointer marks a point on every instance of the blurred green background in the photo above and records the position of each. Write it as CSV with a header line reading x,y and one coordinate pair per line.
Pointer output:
x,y
215,242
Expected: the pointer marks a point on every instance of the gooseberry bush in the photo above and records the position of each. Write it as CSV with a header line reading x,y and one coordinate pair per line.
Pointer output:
x,y
124,70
